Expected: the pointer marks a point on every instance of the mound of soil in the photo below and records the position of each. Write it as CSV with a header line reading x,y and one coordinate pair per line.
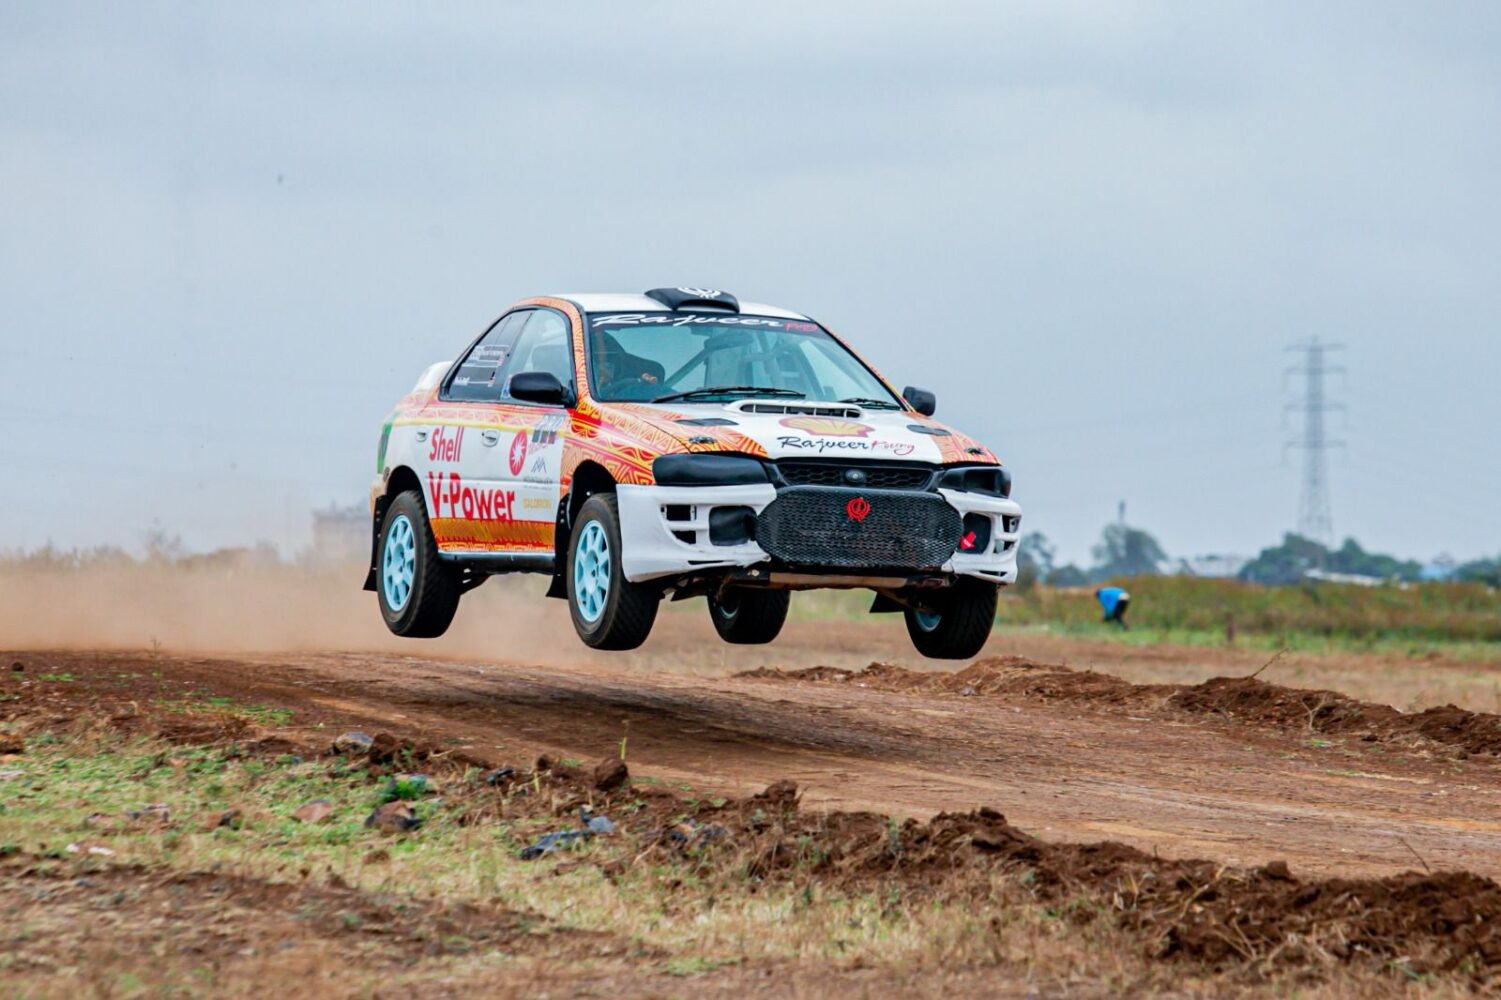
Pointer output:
x,y
1329,712
1262,921
1003,675
1243,699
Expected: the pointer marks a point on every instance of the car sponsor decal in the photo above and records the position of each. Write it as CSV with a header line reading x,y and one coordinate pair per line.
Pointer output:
x,y
540,471
467,501
691,319
822,446
446,444
828,426
546,431
517,457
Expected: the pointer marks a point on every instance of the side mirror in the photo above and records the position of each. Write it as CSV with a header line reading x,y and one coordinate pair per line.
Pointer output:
x,y
921,400
540,387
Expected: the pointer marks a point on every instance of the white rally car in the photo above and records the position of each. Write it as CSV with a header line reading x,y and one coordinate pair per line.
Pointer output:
x,y
681,443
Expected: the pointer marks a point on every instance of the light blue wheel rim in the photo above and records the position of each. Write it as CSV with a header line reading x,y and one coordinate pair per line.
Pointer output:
x,y
927,620
398,562
591,572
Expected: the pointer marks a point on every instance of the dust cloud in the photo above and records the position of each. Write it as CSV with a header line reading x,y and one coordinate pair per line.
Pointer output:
x,y
250,609
259,609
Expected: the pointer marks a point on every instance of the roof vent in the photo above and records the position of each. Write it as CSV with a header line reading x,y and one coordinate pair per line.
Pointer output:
x,y
679,298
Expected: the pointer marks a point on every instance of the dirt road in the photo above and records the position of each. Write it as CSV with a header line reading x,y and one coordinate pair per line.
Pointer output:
x,y
1084,769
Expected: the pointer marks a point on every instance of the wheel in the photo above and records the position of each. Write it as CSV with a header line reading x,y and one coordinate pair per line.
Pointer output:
x,y
959,629
418,594
609,612
749,617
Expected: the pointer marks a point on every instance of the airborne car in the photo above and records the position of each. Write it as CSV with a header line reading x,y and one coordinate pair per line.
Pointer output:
x,y
679,444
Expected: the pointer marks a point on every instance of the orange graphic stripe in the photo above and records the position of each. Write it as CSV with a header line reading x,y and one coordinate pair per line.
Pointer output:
x,y
512,536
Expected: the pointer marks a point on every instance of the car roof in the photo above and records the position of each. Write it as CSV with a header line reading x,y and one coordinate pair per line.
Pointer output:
x,y
636,302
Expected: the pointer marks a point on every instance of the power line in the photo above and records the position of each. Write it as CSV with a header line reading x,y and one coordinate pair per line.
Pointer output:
x,y
1315,519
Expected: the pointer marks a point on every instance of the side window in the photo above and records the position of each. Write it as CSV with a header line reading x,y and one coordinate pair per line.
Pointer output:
x,y
478,376
543,346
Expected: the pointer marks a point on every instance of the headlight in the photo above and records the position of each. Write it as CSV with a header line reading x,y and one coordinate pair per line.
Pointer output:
x,y
707,470
993,480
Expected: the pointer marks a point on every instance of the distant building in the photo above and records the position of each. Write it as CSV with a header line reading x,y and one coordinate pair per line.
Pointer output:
x,y
1356,579
1212,566
1441,568
341,534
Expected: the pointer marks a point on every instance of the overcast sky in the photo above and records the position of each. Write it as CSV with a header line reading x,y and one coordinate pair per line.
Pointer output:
x,y
232,235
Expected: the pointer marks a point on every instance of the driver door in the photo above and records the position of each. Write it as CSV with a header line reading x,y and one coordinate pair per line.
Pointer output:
x,y
466,446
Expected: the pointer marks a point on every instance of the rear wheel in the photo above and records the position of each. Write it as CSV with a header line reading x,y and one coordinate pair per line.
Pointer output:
x,y
418,594
957,628
609,612
749,617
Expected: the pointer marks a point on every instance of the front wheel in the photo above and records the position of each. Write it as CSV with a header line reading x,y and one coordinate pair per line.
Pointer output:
x,y
609,612
958,628
749,617
418,594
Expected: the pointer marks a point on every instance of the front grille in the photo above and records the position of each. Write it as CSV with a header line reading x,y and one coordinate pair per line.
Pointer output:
x,y
872,529
877,477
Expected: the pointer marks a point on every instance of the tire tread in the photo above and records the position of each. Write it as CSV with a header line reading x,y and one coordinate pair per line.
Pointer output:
x,y
965,626
758,620
435,591
631,609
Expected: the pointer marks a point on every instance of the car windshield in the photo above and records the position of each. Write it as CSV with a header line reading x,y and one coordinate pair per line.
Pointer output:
x,y
712,357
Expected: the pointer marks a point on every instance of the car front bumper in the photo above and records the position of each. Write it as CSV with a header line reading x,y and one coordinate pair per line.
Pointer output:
x,y
657,546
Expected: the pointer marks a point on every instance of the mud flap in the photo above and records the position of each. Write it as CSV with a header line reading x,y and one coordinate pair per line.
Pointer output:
x,y
379,515
560,532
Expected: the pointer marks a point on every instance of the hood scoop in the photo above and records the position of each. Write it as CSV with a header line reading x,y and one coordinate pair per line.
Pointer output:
x,y
707,422
798,409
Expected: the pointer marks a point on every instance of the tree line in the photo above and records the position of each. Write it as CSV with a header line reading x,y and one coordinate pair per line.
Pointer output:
x,y
1127,551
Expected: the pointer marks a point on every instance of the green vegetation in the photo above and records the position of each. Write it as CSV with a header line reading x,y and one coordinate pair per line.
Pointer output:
x,y
1288,562
219,705
1185,607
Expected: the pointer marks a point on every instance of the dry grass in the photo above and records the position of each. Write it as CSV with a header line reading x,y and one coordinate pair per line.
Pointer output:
x,y
607,919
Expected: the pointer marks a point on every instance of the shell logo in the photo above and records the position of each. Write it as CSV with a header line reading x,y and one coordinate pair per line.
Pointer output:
x,y
828,426
517,457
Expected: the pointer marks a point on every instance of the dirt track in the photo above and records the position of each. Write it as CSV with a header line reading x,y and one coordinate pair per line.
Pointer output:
x,y
1090,768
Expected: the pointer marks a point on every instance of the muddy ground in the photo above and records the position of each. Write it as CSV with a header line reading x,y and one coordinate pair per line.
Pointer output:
x,y
1067,756
1288,813
1114,795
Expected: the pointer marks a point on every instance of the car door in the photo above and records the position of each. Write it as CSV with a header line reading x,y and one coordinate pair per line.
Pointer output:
x,y
532,473
462,460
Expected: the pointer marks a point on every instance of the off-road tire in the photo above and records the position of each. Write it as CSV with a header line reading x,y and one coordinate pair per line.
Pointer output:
x,y
749,617
434,597
966,615
629,609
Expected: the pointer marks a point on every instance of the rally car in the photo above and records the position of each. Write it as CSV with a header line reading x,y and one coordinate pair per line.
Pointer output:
x,y
675,444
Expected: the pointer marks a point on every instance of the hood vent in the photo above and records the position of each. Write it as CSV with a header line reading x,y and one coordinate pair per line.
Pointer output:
x,y
798,409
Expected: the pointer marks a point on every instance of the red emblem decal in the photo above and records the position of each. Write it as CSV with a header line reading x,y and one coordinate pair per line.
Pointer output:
x,y
517,458
857,509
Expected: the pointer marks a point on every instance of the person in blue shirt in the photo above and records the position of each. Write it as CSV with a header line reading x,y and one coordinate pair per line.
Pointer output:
x,y
1113,602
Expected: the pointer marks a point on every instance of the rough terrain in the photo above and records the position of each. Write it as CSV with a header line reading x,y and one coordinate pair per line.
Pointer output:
x,y
1067,756
1225,830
